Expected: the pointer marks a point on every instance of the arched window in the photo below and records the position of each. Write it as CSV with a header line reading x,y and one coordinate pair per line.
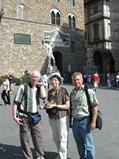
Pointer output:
x,y
58,18
55,17
21,12
71,21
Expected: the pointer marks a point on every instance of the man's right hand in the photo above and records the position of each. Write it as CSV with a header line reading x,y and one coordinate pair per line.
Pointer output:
x,y
19,121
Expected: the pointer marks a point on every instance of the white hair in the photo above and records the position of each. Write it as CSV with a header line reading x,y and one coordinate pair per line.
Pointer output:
x,y
77,74
36,73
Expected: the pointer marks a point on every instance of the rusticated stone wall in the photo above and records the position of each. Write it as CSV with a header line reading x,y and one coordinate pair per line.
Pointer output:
x,y
16,58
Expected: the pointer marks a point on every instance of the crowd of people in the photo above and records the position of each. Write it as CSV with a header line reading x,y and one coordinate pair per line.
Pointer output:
x,y
64,111
110,80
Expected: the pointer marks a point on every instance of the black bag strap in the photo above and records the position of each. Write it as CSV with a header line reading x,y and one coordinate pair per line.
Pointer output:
x,y
38,95
24,96
87,96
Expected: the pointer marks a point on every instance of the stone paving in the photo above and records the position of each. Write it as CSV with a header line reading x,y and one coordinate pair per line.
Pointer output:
x,y
106,141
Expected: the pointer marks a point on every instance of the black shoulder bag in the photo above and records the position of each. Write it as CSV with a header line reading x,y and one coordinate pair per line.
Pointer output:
x,y
99,115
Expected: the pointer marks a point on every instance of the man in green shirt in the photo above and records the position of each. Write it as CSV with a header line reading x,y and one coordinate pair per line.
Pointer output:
x,y
82,124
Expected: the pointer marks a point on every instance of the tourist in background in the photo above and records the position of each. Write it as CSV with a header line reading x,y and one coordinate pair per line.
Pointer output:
x,y
95,80
108,77
6,91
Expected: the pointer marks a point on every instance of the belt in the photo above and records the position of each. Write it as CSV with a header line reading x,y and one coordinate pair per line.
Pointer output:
x,y
26,113
79,119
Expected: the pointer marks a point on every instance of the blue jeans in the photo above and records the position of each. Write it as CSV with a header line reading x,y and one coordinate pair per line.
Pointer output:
x,y
84,138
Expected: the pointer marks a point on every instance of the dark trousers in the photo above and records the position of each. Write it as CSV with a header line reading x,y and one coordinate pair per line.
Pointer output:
x,y
6,97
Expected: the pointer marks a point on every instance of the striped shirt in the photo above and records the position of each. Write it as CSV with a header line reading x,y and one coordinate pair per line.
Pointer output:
x,y
31,104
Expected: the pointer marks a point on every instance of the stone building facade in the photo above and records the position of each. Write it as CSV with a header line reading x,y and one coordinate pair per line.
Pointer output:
x,y
98,35
114,10
26,27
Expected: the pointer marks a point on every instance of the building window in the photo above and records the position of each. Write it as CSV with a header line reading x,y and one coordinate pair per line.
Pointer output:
x,y
71,21
55,17
95,8
96,31
71,2
21,12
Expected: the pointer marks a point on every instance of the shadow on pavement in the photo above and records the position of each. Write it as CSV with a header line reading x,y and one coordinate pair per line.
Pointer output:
x,y
10,152
51,155
14,152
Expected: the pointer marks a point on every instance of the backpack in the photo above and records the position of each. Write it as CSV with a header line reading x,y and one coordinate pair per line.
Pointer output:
x,y
99,121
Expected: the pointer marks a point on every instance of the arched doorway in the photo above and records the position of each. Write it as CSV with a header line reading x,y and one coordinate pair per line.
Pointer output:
x,y
58,60
98,61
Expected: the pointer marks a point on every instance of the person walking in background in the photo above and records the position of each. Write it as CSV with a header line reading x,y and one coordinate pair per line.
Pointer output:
x,y
6,91
82,125
11,80
96,80
58,112
25,109
117,79
108,77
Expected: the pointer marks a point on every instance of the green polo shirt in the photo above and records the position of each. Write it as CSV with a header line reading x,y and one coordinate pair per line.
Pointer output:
x,y
79,104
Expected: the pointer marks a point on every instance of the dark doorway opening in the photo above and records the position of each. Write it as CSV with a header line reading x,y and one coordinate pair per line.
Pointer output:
x,y
104,62
58,60
98,61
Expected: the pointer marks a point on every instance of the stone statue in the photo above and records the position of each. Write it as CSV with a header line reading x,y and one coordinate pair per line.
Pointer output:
x,y
51,60
50,54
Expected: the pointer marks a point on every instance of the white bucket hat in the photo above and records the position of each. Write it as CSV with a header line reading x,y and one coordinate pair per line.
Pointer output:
x,y
56,74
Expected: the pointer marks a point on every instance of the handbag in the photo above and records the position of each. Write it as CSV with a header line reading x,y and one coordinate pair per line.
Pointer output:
x,y
34,118
99,121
